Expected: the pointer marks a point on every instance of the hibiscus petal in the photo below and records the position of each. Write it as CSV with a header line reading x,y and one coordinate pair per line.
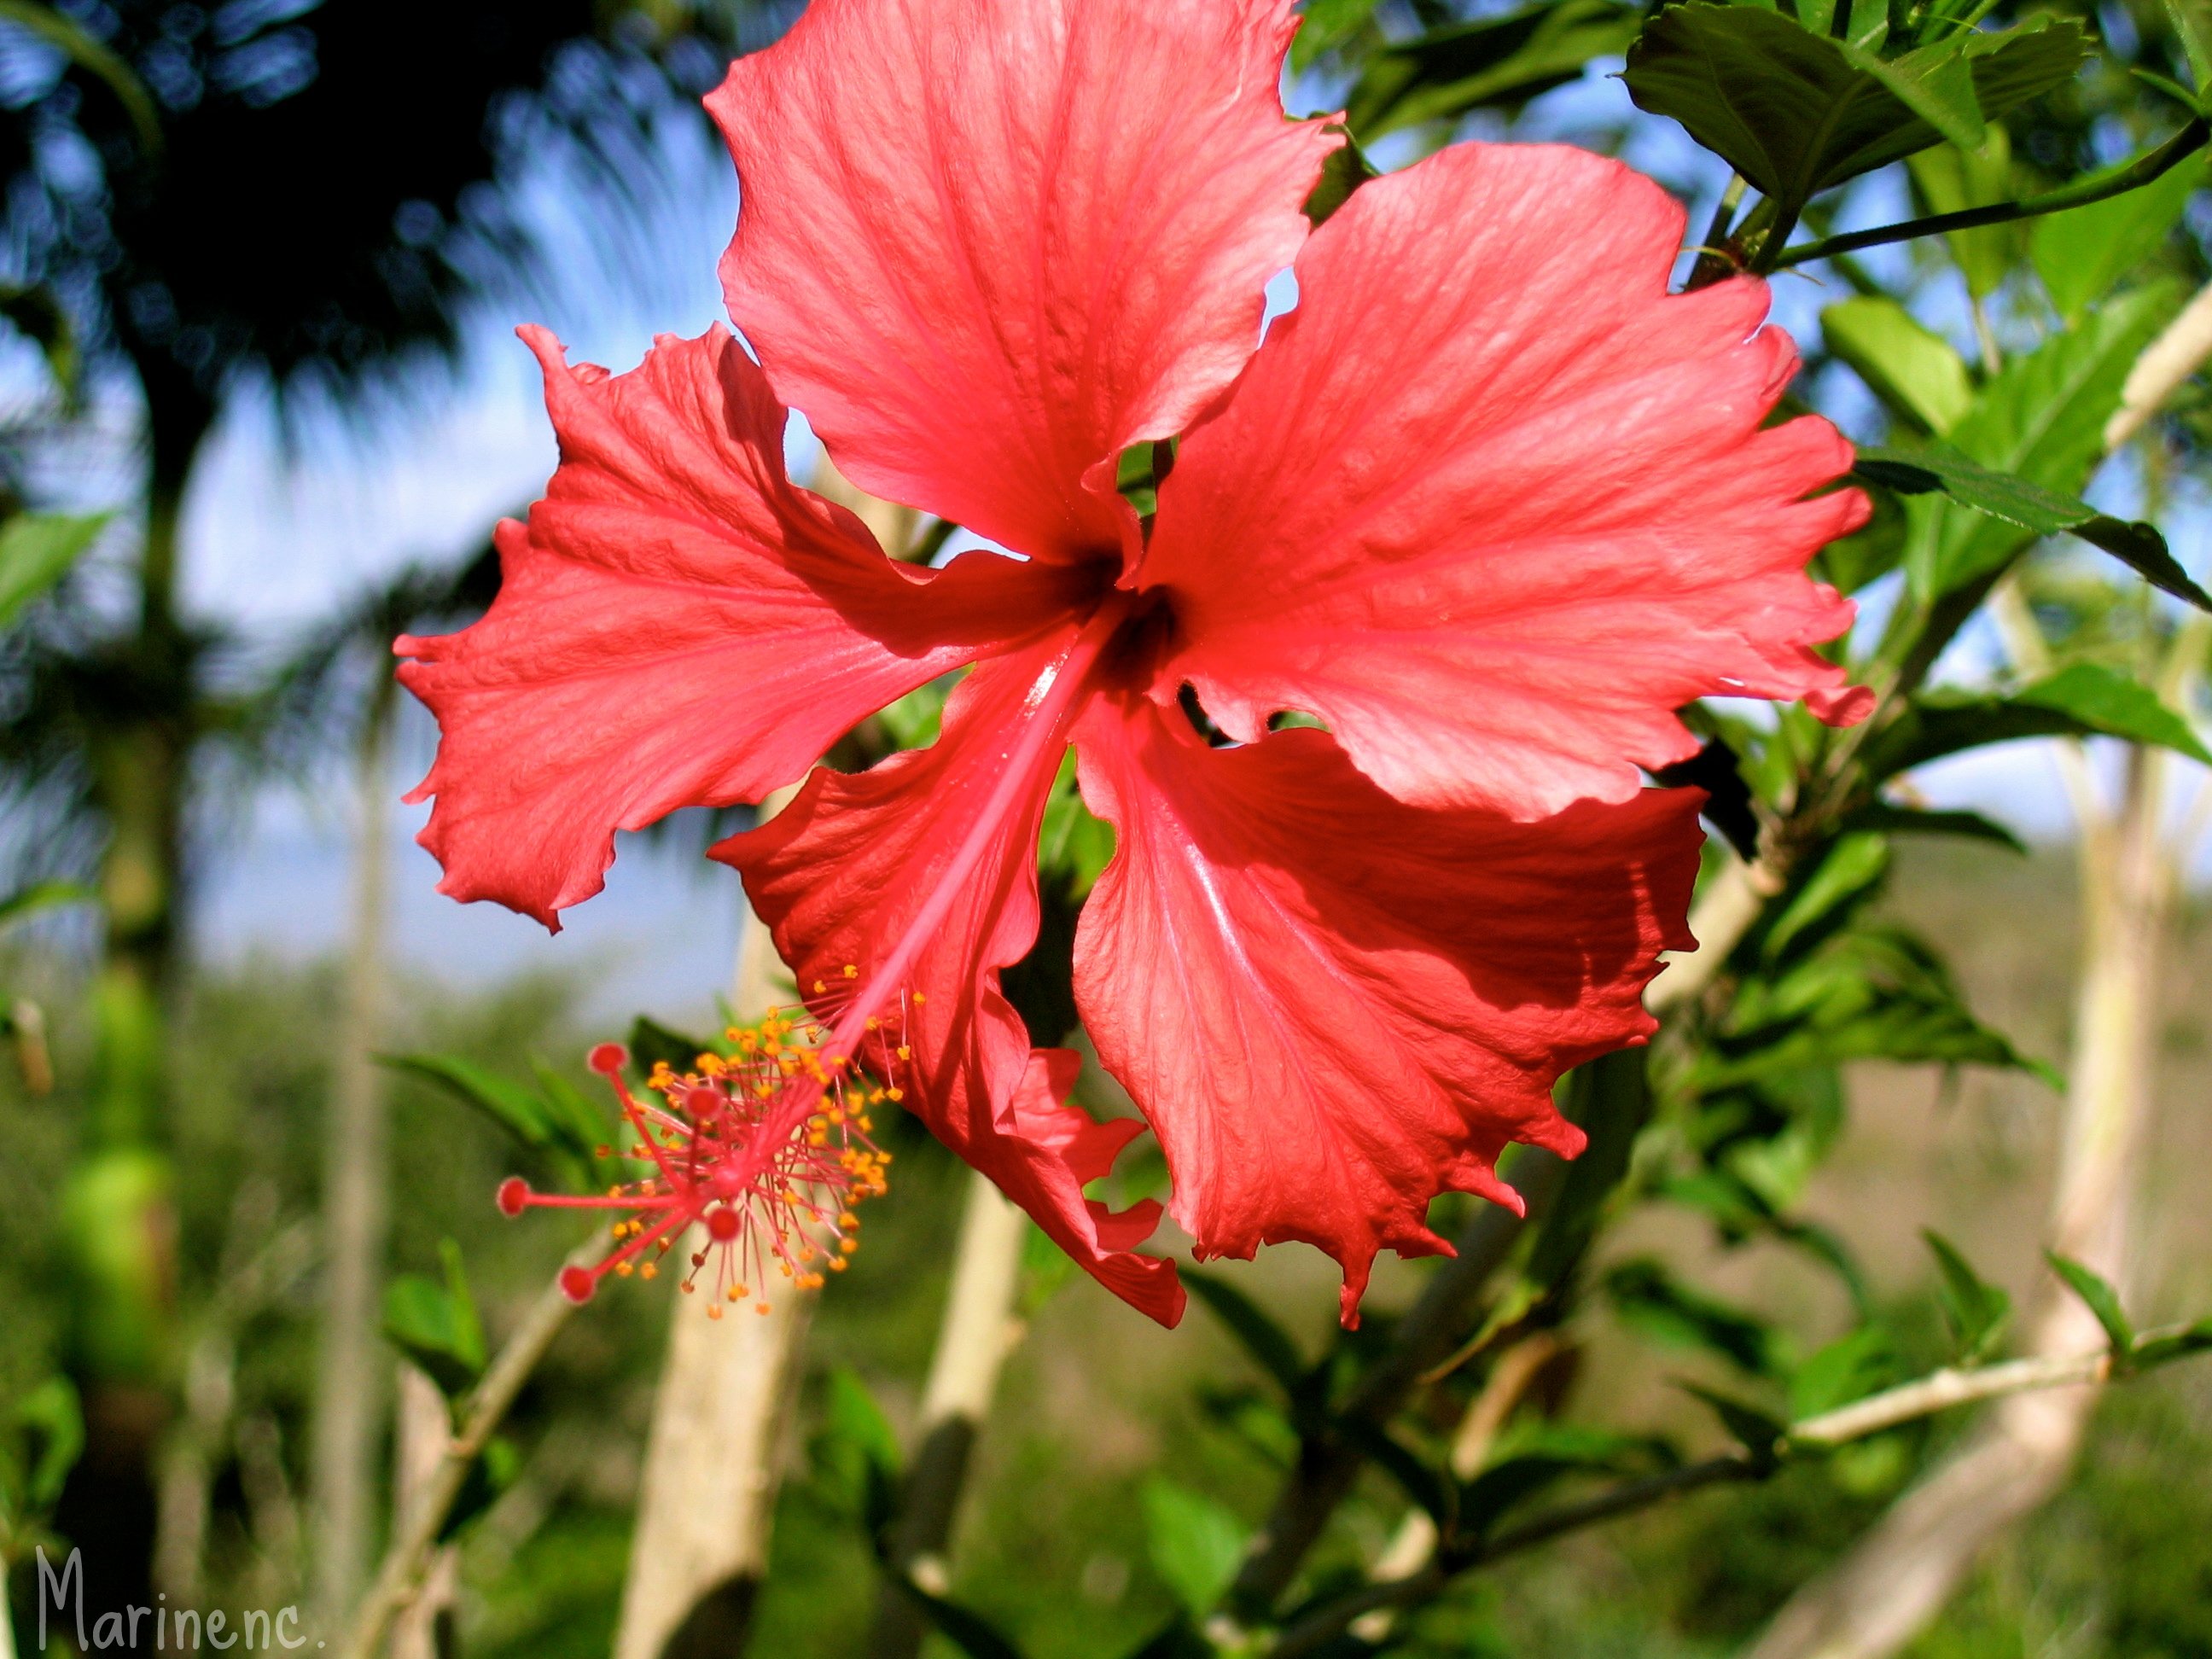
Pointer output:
x,y
840,876
1333,1006
1491,504
679,625
987,245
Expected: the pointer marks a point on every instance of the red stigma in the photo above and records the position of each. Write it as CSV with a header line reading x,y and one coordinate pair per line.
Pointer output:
x,y
577,1284
513,1196
608,1059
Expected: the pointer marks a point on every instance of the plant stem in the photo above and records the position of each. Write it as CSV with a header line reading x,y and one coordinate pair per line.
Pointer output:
x,y
411,1549
2145,168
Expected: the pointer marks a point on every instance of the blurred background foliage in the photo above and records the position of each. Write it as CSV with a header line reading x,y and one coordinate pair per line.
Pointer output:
x,y
1887,1036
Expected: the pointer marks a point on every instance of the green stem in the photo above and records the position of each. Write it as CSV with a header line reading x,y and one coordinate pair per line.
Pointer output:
x,y
2146,167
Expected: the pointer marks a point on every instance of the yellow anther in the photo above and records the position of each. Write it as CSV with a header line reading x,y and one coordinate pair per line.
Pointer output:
x,y
713,1312
649,1271
919,999
819,986
760,1307
852,971
624,1269
906,1051
847,1246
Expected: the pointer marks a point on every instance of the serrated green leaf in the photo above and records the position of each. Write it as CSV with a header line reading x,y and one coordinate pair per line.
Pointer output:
x,y
2082,252
2084,700
1500,61
1937,470
2097,1296
36,551
1796,112
1913,370
2041,420
1975,1310
1195,1543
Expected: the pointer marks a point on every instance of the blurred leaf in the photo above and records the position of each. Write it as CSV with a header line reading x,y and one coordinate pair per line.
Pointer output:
x,y
1759,1431
1715,769
1912,369
1346,168
59,30
1868,553
1501,60
435,1326
1851,1367
1432,1490
494,1471
1949,180
1267,1342
1327,25
1975,1310
1852,868
2192,27
1195,1543
51,1417
42,319
515,1107
1075,843
2081,699
1937,469
913,722
967,1630
855,1453
650,1043
36,551
1651,1299
1045,1269
1175,1640
1894,820
576,1120
1795,112
1610,1100
41,895
2082,252
2097,1296
2176,1344
2041,420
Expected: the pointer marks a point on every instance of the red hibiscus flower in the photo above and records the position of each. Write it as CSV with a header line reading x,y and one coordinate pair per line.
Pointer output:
x,y
1489,502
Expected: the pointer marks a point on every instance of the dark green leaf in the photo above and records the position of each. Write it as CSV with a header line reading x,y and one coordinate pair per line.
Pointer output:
x,y
1175,1640
1949,180
1500,61
2177,1344
1854,866
1267,1342
577,1122
1937,469
2097,1296
855,1454
435,1326
1892,820
36,551
1758,1430
1646,1295
651,1042
1433,1489
2081,699
1346,168
1610,1100
1193,1542
1913,370
1851,1367
1796,112
1975,1310
513,1106
1327,24
1715,769
492,1473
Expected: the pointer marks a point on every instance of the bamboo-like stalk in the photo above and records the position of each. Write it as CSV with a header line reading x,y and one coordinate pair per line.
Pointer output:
x,y
356,1182
400,1574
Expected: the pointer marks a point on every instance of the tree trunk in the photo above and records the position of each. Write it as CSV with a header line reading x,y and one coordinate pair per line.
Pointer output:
x,y
1898,1578
348,1397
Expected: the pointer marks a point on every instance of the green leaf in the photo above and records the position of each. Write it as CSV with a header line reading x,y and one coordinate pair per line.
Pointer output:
x,y
1950,179
966,1629
494,1471
1652,1300
53,1419
59,30
1913,370
1975,1310
1760,1432
1344,171
2041,420
855,1454
1327,25
1610,1100
650,1043
42,896
435,1325
2084,700
513,1106
1193,1542
1433,1490
2192,27
36,551
1851,870
1267,1342
1796,112
1892,820
1851,1367
2097,1296
1075,845
2175,1344
1938,470
1496,61
2082,252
